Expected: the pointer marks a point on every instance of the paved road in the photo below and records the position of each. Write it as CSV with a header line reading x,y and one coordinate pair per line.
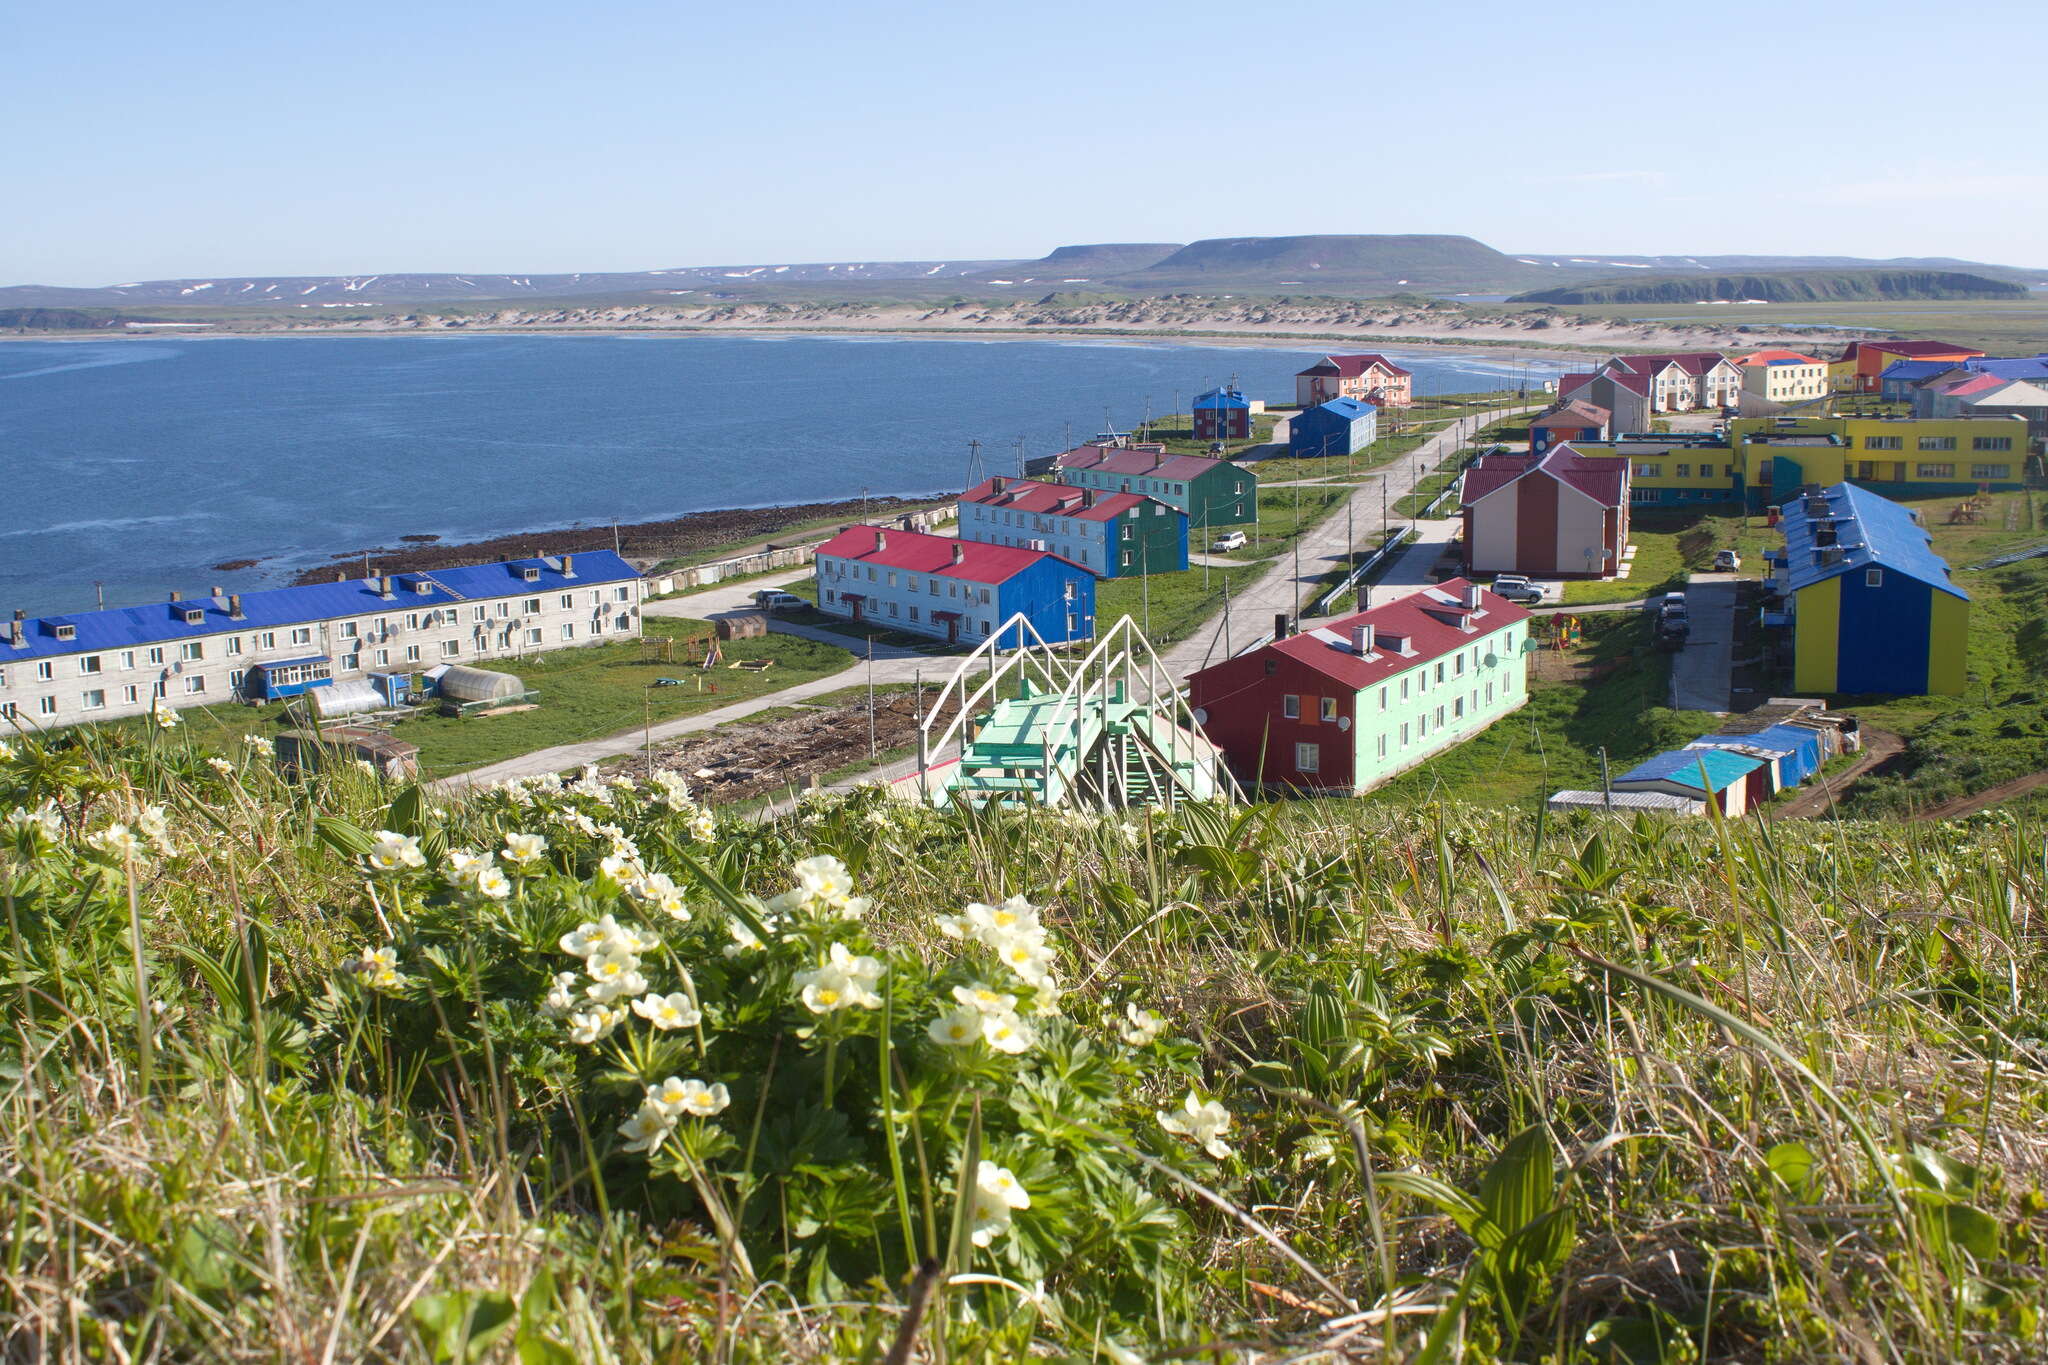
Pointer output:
x,y
1323,548
1700,671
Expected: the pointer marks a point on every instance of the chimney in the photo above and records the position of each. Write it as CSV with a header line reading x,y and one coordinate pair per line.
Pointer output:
x,y
881,540
14,631
959,552
568,566
175,594
1087,497
384,587
340,577
1280,631
235,605
998,484
1361,639
1472,591
216,591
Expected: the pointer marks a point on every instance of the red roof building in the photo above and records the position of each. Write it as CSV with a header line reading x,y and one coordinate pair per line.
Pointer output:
x,y
1575,419
1681,381
955,590
1858,368
1345,706
1370,378
1559,514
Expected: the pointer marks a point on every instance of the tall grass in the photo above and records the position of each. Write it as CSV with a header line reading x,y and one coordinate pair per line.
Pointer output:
x,y
1495,1089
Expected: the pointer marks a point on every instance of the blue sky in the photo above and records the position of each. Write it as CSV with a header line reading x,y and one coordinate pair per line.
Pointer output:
x,y
151,141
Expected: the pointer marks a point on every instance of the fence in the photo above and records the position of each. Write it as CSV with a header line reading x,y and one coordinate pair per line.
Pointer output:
x,y
1393,542
785,556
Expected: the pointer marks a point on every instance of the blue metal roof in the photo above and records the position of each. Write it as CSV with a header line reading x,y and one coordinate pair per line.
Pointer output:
x,y
1222,398
1872,533
1909,370
2021,367
1682,768
1349,409
294,663
273,608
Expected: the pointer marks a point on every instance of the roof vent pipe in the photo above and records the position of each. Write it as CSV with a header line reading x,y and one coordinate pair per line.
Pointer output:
x,y
881,539
1280,631
235,605
568,566
384,587
959,553
1361,639
175,594
14,632
1472,591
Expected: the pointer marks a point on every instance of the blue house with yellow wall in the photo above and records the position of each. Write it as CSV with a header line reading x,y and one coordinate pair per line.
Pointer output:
x,y
1869,603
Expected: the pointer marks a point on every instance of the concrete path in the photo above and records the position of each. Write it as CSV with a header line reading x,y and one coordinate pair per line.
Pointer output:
x,y
724,596
1700,671
1325,547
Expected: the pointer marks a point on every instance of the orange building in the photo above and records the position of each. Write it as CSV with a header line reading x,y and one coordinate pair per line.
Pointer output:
x,y
1857,369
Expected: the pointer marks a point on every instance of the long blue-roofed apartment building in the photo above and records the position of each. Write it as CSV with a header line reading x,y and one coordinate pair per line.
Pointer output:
x,y
231,647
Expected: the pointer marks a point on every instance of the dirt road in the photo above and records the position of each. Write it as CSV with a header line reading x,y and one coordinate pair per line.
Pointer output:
x,y
1879,748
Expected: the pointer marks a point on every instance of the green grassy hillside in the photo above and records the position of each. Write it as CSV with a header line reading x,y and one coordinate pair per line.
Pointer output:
x,y
580,1072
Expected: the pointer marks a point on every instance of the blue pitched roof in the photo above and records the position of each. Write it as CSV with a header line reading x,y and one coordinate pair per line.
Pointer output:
x,y
1222,398
272,608
1909,370
1682,767
1348,409
2018,367
1872,533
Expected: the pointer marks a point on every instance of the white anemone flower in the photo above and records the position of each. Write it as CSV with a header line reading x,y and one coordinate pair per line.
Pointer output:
x,y
166,718
1201,1122
667,1011
391,852
1141,1028
996,1194
154,826
492,884
7,750
703,1101
1030,960
594,1024
613,975
1007,1033
649,1127
985,999
463,864
843,980
703,826
380,967
45,821
956,1027
591,937
220,765
524,849
562,997
621,869
117,841
257,744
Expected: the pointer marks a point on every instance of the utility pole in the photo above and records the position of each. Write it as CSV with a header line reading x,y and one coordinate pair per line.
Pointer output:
x,y
1145,584
1070,435
100,590
871,696
617,548
1020,457
1226,616
1297,554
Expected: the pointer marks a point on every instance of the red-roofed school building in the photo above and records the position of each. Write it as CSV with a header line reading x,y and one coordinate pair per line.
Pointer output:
x,y
1344,707
953,590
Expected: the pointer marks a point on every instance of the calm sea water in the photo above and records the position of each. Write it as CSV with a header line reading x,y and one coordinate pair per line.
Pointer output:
x,y
140,463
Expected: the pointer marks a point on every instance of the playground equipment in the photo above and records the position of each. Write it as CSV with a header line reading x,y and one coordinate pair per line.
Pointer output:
x,y
1568,630
1109,731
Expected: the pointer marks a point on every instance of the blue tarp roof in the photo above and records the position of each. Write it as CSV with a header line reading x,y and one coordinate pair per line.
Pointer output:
x,y
1872,532
272,608
1222,398
1682,766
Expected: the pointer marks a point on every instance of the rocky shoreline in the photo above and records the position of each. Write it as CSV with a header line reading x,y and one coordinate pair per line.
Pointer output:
x,y
645,543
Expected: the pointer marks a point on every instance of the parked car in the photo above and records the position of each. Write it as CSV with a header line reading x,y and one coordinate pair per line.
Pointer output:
x,y
1516,588
1668,601
775,599
1228,541
1726,560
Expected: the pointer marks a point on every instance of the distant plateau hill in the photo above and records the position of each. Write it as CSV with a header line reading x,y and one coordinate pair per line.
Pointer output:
x,y
1793,286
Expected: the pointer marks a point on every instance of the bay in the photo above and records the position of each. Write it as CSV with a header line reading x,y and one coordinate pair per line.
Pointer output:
x,y
137,464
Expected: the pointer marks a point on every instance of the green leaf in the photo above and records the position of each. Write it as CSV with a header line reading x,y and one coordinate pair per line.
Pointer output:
x,y
344,838
1972,1229
1518,1188
1793,1163
1938,1172
404,815
460,1326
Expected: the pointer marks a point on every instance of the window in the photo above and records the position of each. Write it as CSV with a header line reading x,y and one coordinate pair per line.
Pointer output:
x,y
1991,443
568,600
1290,706
892,605
1404,688
412,654
1308,758
569,631
131,694
1127,559
1383,697
1882,443
46,706
95,700
1383,746
450,648
530,607
1439,717
1990,471
348,629
88,663
196,683
622,594
45,671
127,658
265,640
1935,471
412,622
349,663
7,710
1404,734
913,613
1460,669
382,657
156,655
235,680
1458,708
1685,471
1439,670
1873,578
504,608
1328,709
1128,531
303,635
892,578
533,635
1937,443
191,650
475,614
